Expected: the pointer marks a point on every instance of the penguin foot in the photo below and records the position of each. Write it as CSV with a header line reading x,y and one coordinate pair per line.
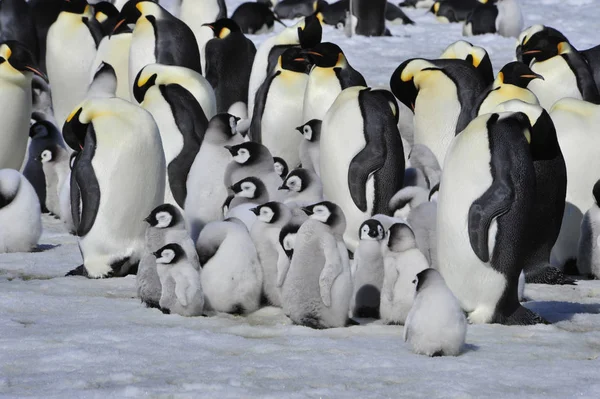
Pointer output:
x,y
164,310
437,354
352,322
78,271
151,304
522,317
571,267
549,275
394,323
237,310
311,321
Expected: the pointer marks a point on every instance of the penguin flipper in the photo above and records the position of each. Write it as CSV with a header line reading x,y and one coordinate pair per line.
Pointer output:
x,y
495,202
181,288
331,270
548,275
260,102
283,265
362,166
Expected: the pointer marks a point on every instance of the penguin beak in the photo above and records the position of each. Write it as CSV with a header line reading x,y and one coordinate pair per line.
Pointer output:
x,y
283,187
300,129
533,76
147,220
117,25
211,26
307,211
532,52
37,72
230,149
255,211
156,254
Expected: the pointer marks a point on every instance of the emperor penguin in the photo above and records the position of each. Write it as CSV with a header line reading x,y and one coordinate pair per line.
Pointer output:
x,y
231,273
447,11
281,167
165,225
17,66
423,160
550,192
17,23
402,261
292,9
278,106
310,147
416,3
158,38
181,286
317,287
55,163
407,199
303,188
20,214
306,33
500,16
229,57
588,256
361,130
475,55
367,271
180,119
368,17
44,13
249,190
485,212
205,188
74,36
436,324
104,82
271,218
107,15
423,222
441,94
510,84
331,73
255,18
117,187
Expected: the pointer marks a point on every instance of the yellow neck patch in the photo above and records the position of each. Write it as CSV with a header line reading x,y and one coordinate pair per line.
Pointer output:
x,y
224,33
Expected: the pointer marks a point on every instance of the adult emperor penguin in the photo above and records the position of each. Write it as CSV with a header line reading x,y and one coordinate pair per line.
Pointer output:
x,y
278,106
501,16
447,11
475,55
588,256
117,187
74,36
158,37
16,69
511,83
255,18
485,212
306,33
107,15
550,191
20,215
330,74
180,119
229,57
368,17
44,13
303,188
368,169
55,163
17,23
317,287
441,94
309,147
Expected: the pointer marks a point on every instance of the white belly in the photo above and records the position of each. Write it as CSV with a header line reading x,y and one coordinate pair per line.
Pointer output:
x,y
559,82
141,52
321,92
15,113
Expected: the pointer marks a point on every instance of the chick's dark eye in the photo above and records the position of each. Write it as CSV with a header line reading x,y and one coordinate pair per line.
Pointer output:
x,y
415,281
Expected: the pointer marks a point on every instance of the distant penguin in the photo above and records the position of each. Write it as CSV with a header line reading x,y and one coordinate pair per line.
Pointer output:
x,y
306,33
44,14
475,55
436,325
205,188
74,36
588,257
278,106
107,15
423,222
165,225
229,58
368,17
402,262
367,271
181,287
441,94
55,163
17,23
254,18
417,3
447,11
317,287
303,188
249,190
16,68
330,74
502,16
292,9
310,147
231,273
361,130
510,84
154,37
20,215
485,212
272,217
281,167
395,15
117,187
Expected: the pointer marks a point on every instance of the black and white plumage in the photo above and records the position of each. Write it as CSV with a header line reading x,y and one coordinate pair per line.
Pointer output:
x,y
310,146
55,164
588,256
303,188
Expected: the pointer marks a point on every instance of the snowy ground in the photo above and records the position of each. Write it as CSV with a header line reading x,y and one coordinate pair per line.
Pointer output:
x,y
73,337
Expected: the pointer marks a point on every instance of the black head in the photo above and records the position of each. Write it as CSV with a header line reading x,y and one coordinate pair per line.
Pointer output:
x,y
223,27
422,277
371,230
281,167
539,45
325,55
298,180
164,216
75,6
270,212
518,74
325,212
131,12
169,254
42,129
401,238
143,82
311,130
250,187
74,131
403,86
106,13
248,152
596,192
312,32
19,57
224,123
48,154
293,59
287,238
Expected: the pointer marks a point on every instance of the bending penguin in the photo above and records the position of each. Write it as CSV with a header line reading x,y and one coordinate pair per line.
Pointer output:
x,y
475,55
255,18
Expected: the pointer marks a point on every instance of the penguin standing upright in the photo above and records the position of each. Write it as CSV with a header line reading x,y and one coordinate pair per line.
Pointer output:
x,y
44,14
588,256
117,187
309,147
55,163
330,74
16,23
361,130
482,220
278,107
501,16
368,17
229,57
75,37
16,68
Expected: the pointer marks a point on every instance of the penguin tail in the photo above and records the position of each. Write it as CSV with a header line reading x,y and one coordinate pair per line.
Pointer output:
x,y
78,271
549,275
151,304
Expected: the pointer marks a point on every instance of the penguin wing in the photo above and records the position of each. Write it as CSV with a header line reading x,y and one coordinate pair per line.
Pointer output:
x,y
391,276
407,326
95,29
182,286
331,270
584,76
362,166
283,265
259,108
349,77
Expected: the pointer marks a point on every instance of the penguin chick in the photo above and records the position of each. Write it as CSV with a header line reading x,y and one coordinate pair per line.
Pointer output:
x,y
423,222
249,190
181,288
424,160
281,167
407,199
367,271
436,324
309,147
303,188
588,259
55,163
402,261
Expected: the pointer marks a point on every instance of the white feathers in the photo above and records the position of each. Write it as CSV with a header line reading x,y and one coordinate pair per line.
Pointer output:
x,y
166,257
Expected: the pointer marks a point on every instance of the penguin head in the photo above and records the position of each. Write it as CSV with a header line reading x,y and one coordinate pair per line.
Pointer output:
x,y
271,212
76,128
48,154
293,59
311,130
328,213
517,74
17,60
474,55
134,9
145,79
281,167
287,238
42,129
164,216
371,230
326,55
400,238
310,30
297,181
76,6
249,152
535,38
403,84
223,27
169,254
596,192
425,278
105,10
223,126
250,187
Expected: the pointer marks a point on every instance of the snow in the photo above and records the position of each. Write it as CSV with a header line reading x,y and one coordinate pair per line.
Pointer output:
x,y
73,337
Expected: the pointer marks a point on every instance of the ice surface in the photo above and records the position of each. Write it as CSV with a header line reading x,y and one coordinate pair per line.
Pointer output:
x,y
73,337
